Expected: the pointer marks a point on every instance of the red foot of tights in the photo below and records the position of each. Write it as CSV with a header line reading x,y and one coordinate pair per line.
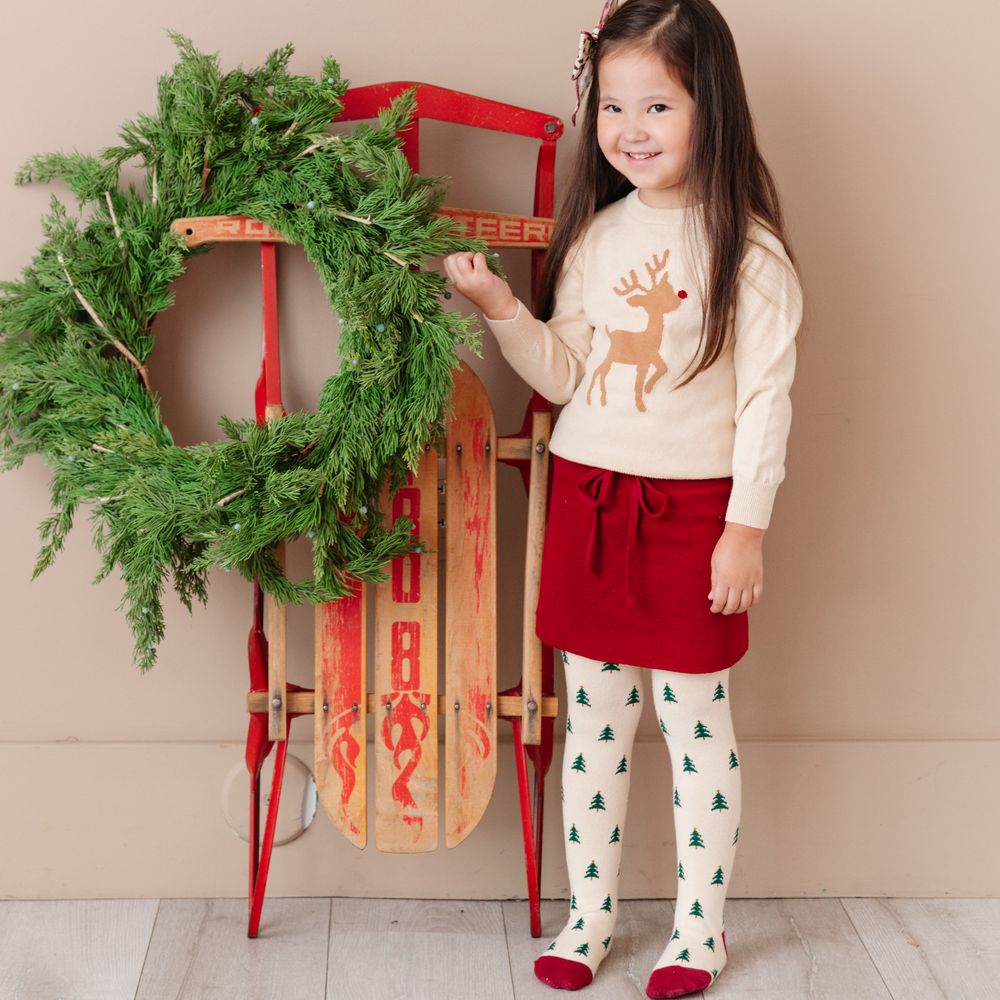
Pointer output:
x,y
562,974
676,981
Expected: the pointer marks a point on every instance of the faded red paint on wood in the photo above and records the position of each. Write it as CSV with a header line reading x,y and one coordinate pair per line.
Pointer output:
x,y
406,569
500,229
406,725
340,713
224,229
471,692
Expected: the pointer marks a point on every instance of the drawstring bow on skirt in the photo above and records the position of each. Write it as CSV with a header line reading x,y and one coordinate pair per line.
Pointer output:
x,y
593,489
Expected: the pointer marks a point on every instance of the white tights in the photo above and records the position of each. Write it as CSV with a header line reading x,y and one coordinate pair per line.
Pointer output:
x,y
604,705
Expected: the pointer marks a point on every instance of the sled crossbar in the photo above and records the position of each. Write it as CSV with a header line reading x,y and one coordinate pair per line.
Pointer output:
x,y
497,229
304,703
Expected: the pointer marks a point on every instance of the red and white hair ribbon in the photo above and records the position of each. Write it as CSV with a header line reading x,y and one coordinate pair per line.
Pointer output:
x,y
583,68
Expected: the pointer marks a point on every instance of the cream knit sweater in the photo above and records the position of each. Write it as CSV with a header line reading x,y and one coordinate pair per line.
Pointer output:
x,y
625,330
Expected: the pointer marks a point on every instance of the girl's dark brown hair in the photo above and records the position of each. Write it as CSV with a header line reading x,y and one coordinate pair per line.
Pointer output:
x,y
725,171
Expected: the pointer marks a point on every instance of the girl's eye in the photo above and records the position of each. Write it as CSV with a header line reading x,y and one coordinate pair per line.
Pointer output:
x,y
658,108
612,108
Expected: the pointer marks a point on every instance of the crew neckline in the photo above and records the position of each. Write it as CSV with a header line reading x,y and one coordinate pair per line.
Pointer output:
x,y
647,213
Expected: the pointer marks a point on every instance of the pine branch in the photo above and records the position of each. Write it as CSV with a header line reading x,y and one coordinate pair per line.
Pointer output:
x,y
251,143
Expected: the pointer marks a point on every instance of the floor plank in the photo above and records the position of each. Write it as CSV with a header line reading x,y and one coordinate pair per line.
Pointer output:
x,y
73,949
791,949
900,960
960,941
417,949
640,936
312,949
199,950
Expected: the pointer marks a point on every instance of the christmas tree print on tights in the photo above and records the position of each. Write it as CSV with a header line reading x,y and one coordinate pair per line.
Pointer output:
x,y
708,785
606,707
595,800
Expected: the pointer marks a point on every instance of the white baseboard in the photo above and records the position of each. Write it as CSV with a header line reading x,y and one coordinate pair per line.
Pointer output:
x,y
838,818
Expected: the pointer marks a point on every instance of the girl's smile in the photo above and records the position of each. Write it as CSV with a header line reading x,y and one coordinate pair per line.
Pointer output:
x,y
644,125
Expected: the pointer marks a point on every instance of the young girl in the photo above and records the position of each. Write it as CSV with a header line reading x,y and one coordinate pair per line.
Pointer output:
x,y
668,313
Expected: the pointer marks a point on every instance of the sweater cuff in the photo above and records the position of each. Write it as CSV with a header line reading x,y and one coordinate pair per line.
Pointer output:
x,y
515,335
750,503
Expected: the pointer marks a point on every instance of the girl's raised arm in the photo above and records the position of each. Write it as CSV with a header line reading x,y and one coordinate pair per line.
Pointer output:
x,y
550,356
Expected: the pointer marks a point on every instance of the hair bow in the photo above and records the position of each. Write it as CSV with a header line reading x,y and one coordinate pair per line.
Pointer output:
x,y
583,68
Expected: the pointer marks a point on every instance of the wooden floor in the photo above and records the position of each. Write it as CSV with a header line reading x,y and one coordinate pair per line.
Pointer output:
x,y
401,949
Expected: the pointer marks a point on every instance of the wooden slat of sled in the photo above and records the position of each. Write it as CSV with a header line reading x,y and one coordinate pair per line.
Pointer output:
x,y
498,229
471,684
531,677
340,704
406,725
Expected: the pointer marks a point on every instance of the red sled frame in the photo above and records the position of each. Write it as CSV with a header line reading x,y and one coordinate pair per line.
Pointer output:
x,y
451,106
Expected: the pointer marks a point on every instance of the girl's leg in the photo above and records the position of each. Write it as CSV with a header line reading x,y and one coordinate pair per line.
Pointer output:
x,y
605,702
694,716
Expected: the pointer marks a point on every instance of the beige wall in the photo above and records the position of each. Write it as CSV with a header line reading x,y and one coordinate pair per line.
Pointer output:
x,y
867,706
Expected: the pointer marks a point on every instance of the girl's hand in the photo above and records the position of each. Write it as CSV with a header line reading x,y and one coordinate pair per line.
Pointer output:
x,y
472,277
737,569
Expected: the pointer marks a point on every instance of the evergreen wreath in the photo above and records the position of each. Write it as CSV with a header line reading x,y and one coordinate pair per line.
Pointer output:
x,y
77,330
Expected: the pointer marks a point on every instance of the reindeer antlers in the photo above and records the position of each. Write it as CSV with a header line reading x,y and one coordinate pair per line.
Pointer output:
x,y
632,283
628,289
658,265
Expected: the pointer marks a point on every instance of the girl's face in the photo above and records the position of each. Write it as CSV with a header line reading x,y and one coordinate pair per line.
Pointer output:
x,y
644,121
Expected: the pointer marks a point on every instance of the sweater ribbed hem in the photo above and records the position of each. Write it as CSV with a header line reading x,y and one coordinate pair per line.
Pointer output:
x,y
751,503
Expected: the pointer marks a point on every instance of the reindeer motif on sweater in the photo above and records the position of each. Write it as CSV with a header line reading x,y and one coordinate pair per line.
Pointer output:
x,y
641,348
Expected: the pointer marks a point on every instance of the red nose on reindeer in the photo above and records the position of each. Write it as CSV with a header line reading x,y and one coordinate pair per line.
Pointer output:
x,y
682,294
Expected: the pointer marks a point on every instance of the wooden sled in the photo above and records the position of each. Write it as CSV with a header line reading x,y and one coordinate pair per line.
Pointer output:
x,y
406,702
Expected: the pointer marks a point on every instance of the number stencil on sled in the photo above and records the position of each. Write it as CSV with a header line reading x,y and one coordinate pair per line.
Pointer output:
x,y
406,667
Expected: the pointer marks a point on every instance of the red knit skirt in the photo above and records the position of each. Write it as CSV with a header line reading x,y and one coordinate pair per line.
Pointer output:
x,y
626,571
